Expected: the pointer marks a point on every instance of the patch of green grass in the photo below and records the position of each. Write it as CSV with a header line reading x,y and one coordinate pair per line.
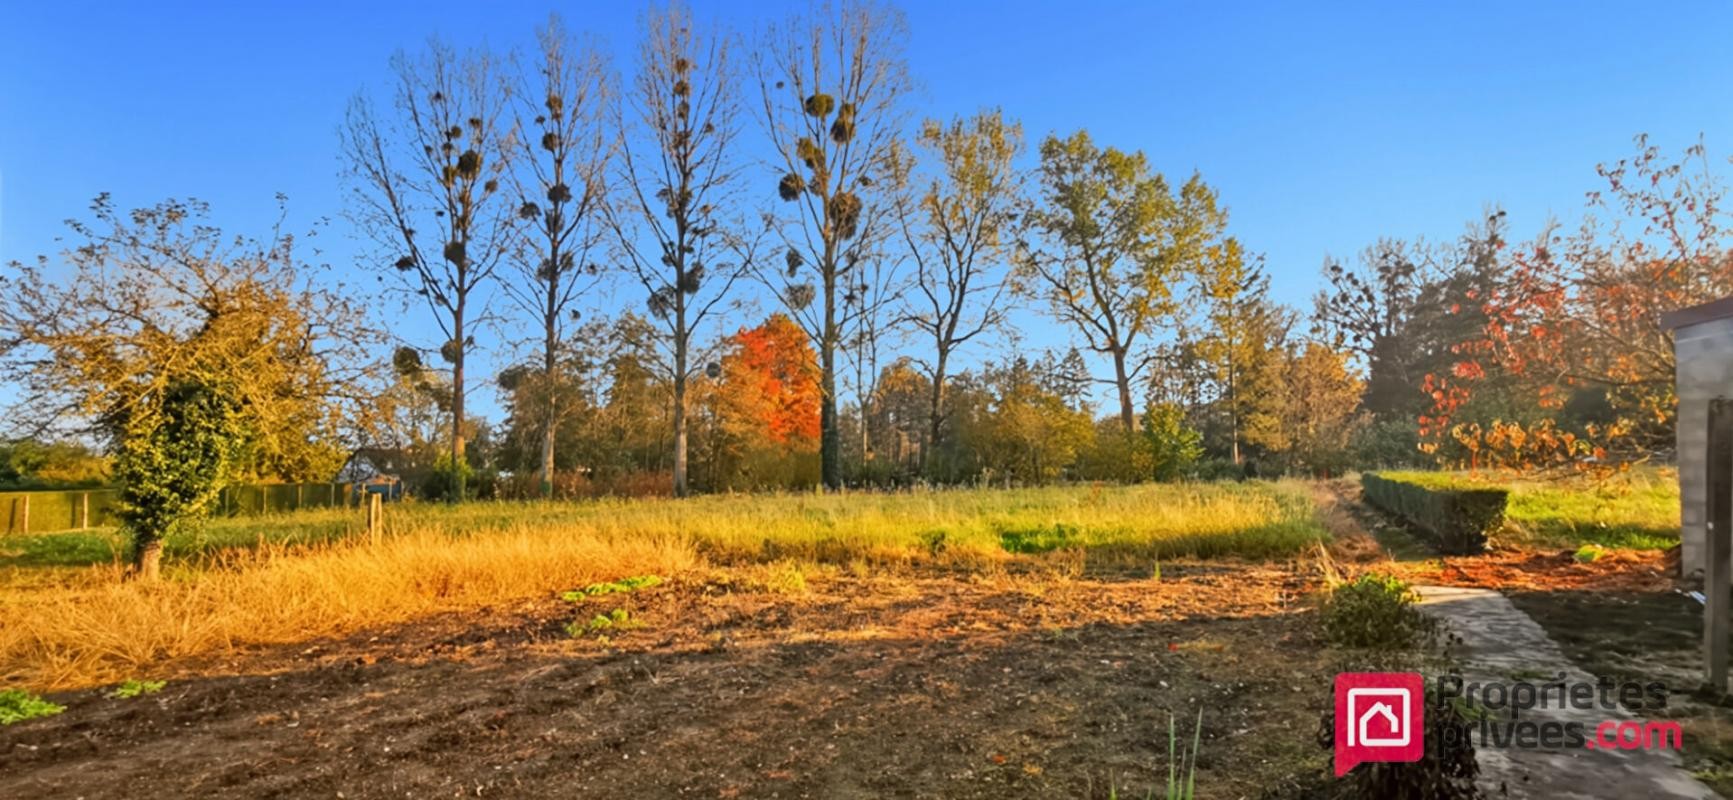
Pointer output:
x,y
1635,510
621,586
133,687
1041,538
1639,512
17,705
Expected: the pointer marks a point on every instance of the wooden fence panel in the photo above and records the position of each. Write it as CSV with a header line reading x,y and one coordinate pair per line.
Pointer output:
x,y
78,509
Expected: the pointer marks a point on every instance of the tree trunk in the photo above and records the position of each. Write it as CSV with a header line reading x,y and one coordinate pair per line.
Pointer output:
x,y
1233,404
680,484
458,479
681,355
829,438
937,420
146,557
1127,415
550,430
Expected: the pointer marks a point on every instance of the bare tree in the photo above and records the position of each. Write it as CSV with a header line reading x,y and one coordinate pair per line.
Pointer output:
x,y
832,87
877,295
426,188
561,183
680,185
959,229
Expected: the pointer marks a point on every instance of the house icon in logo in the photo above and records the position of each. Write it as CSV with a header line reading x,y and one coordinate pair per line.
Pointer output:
x,y
1380,717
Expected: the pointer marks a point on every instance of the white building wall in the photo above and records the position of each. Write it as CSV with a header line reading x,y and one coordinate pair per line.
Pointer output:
x,y
1704,370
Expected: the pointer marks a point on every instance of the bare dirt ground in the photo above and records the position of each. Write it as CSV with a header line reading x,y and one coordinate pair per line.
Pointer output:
x,y
890,686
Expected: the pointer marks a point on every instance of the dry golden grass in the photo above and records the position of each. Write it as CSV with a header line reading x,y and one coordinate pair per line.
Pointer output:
x,y
299,577
106,631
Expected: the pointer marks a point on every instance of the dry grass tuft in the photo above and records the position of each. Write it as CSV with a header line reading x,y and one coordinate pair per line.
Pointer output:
x,y
105,631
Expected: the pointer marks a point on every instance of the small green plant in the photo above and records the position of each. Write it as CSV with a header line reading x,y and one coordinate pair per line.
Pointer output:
x,y
934,541
1375,612
1590,553
617,620
786,577
17,705
136,688
621,586
1181,765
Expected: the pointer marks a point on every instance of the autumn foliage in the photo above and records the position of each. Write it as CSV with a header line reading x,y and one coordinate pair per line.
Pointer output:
x,y
1569,365
770,383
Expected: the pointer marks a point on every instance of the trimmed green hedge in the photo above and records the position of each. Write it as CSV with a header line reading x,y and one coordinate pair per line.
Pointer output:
x,y
1459,517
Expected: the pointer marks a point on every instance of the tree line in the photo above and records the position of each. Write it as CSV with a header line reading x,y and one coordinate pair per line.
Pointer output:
x,y
810,281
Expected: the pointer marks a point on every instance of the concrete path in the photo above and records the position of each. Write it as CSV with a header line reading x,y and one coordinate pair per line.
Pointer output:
x,y
1500,643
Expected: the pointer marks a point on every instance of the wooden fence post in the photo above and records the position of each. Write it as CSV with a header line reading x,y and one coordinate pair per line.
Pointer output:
x,y
84,511
1719,547
375,517
24,524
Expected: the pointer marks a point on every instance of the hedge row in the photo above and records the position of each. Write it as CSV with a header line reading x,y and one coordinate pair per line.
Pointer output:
x,y
1459,518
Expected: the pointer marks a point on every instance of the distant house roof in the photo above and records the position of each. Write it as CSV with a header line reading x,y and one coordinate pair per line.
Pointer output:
x,y
368,462
1696,315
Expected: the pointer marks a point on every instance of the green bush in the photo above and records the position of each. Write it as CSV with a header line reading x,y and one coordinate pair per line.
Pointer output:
x,y
1375,612
1220,469
443,482
1458,516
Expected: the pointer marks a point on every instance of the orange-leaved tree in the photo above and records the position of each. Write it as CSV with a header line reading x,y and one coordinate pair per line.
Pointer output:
x,y
758,423
770,383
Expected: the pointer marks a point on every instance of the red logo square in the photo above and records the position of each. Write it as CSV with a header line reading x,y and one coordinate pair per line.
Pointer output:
x,y
1380,716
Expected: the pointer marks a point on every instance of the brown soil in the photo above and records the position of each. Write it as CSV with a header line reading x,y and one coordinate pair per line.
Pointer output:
x,y
913,686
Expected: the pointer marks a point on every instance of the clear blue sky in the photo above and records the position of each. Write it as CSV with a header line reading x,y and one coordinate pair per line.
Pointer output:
x,y
1325,126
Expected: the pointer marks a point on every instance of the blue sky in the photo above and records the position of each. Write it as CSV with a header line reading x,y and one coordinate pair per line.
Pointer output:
x,y
1324,126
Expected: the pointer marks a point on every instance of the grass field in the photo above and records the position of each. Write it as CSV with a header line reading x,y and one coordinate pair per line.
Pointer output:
x,y
72,622
1637,510
990,643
